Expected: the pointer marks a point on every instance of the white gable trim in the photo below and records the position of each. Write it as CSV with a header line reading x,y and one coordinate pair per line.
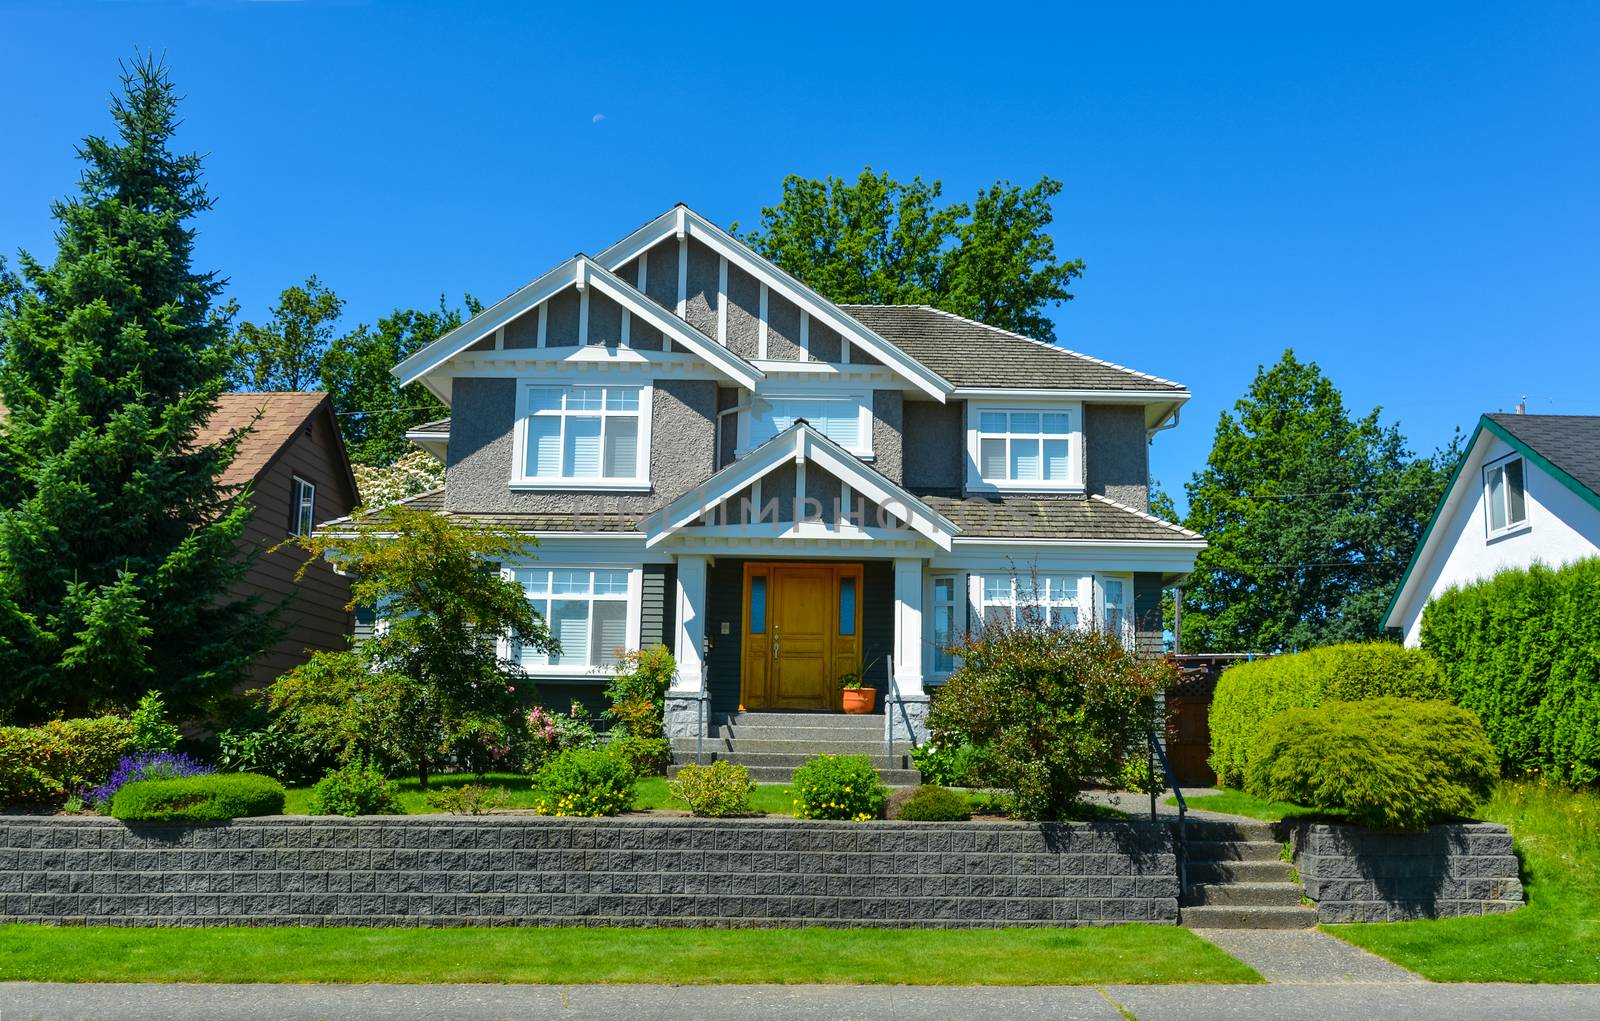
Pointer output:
x,y
802,444
683,222
580,272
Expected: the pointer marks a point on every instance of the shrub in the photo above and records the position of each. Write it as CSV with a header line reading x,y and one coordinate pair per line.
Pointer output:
x,y
584,781
638,692
199,798
468,799
929,803
1048,709
838,787
145,766
720,789
152,731
356,788
648,756
1522,650
949,762
550,734
48,762
1137,775
260,743
1249,693
1393,763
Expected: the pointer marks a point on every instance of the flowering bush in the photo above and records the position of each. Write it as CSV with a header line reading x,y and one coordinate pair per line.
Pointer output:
x,y
638,693
720,789
550,734
145,766
838,787
583,781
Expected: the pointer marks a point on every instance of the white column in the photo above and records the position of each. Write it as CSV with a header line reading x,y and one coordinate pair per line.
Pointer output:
x,y
689,647
908,639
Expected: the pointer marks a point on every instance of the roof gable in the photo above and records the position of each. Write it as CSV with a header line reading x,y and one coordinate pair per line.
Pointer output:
x,y
274,420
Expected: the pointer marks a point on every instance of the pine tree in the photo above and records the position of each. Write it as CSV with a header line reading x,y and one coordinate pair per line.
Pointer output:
x,y
117,544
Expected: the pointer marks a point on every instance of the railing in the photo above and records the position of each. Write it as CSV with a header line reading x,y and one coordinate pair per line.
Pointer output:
x,y
892,698
1158,753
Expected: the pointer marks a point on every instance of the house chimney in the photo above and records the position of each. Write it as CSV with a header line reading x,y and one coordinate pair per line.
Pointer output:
x,y
1522,405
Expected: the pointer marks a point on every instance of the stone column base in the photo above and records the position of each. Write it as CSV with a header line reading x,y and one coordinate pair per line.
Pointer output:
x,y
915,709
683,715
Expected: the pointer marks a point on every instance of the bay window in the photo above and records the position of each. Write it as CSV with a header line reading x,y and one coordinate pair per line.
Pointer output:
x,y
584,436
1025,448
586,610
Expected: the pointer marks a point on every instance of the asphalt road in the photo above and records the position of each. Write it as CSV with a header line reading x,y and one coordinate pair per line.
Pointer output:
x,y
1280,1002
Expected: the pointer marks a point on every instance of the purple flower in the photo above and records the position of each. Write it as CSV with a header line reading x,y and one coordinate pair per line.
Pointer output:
x,y
146,766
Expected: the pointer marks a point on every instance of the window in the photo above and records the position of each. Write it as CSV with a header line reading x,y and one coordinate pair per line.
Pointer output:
x,y
302,507
1020,448
844,420
847,606
597,435
1114,605
758,604
1048,599
944,623
1504,494
586,611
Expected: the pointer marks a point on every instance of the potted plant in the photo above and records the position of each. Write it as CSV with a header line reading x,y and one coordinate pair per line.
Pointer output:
x,y
856,697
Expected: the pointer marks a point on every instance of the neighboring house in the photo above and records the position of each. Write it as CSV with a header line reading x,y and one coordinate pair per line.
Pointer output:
x,y
781,489
294,462
1527,491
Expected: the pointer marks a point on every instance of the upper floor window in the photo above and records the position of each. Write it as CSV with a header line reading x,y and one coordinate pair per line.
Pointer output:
x,y
1025,448
302,507
1505,496
845,420
590,436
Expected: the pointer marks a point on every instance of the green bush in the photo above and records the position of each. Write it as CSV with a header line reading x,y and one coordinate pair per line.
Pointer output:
x,y
584,781
929,803
49,762
720,789
1249,693
259,743
152,731
468,799
198,798
1137,775
838,787
1393,763
1522,650
638,692
949,762
356,788
648,756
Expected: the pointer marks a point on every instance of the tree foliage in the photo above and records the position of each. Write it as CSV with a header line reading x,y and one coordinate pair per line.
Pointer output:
x,y
884,242
117,545
286,352
1310,515
414,472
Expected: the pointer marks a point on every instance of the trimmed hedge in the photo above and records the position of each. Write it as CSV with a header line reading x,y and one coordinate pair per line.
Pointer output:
x,y
199,798
1248,694
47,763
1522,650
1393,763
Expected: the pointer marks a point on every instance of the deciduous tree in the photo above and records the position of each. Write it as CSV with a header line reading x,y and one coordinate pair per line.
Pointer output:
x,y
286,352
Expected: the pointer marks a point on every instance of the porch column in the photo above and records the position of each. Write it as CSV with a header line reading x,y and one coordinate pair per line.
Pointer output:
x,y
908,643
688,648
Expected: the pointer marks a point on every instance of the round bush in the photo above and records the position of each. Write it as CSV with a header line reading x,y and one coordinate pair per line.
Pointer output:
x,y
199,798
584,782
929,803
1390,763
48,762
648,756
1250,693
720,789
838,787
355,788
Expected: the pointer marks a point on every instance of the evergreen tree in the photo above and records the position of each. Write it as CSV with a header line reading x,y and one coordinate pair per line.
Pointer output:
x,y
117,546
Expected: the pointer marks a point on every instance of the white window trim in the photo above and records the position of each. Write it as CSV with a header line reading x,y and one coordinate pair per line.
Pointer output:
x,y
632,633
1490,532
1100,604
297,488
959,622
862,399
639,483
1084,592
1073,483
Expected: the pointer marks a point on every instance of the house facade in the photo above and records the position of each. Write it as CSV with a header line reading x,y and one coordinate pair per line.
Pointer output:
x,y
1526,491
782,490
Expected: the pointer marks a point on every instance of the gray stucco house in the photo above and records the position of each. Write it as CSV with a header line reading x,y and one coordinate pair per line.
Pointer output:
x,y
780,489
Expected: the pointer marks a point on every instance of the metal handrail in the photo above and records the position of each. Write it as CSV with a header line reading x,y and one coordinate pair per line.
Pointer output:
x,y
701,698
891,698
1183,809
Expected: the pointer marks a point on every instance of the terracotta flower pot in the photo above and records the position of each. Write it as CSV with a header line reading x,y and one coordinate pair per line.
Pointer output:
x,y
860,700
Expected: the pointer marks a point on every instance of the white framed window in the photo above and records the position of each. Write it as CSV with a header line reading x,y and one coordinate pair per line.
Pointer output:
x,y
590,611
1036,447
1114,596
846,419
1505,496
1052,599
583,437
302,506
946,624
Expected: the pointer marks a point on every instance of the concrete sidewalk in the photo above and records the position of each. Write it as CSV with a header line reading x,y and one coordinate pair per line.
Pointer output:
x,y
1408,1001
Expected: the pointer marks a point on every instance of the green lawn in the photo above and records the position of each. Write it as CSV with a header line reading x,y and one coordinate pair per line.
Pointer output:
x,y
1123,954
1555,938
1239,803
651,793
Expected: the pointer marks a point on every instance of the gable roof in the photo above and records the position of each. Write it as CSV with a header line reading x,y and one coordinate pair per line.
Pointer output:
x,y
282,415
971,354
1088,518
681,221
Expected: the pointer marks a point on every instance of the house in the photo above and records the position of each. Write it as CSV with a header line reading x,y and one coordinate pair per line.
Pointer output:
x,y
293,459
781,489
1527,490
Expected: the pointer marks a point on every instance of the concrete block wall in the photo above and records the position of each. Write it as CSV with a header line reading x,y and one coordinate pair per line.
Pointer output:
x,y
522,870
1358,875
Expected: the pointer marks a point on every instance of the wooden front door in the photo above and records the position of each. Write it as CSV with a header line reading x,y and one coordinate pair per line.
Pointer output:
x,y
802,630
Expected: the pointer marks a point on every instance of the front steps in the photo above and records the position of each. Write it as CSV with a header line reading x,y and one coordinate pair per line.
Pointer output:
x,y
1237,879
772,745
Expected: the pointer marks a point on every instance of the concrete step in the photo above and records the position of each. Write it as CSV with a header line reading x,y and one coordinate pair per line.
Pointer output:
x,y
789,759
872,721
783,774
1218,916
854,734
1218,830
802,746
1239,872
1246,894
1234,850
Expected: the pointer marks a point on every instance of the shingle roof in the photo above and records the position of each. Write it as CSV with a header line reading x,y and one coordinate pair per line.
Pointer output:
x,y
968,353
1054,517
282,414
438,425
1570,442
433,500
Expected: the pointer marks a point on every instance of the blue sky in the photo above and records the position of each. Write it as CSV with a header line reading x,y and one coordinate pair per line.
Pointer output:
x,y
1407,196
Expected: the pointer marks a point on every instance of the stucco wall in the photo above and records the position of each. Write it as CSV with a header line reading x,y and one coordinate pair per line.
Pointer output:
x,y
1116,454
934,450
888,430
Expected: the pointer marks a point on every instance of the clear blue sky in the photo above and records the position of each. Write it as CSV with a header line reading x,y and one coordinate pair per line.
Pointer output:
x,y
1407,196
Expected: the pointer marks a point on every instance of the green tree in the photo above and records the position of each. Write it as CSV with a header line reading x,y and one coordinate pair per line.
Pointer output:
x,y
430,685
117,545
1310,515
883,242
375,411
286,352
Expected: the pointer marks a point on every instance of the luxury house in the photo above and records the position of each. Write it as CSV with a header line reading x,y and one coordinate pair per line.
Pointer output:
x,y
783,490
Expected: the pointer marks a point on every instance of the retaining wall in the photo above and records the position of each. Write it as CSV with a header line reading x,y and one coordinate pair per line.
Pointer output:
x,y
1358,875
522,870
